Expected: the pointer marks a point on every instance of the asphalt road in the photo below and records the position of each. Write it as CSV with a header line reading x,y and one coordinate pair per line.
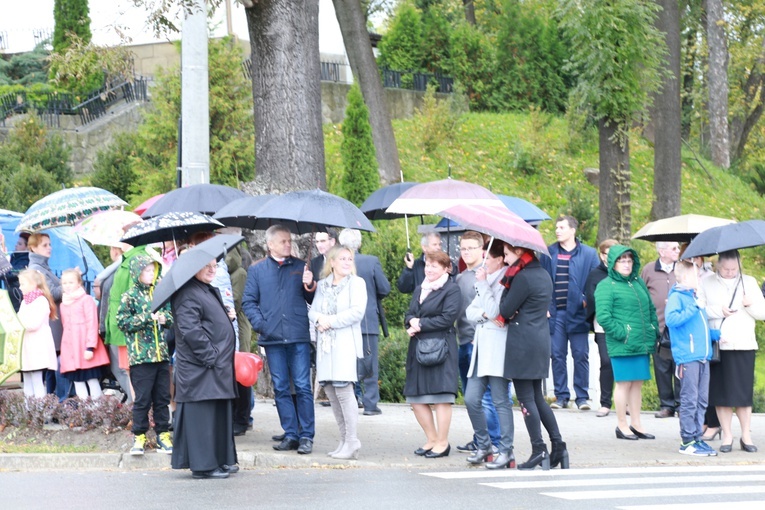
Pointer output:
x,y
333,488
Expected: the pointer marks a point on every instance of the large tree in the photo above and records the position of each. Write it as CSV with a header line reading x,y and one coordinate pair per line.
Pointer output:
x,y
666,116
289,142
70,16
717,83
352,21
616,56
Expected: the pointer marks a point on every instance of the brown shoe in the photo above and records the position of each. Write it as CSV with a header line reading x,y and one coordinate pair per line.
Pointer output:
x,y
665,413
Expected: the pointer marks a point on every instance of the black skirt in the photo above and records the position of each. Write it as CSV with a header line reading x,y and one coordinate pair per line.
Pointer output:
x,y
203,435
731,381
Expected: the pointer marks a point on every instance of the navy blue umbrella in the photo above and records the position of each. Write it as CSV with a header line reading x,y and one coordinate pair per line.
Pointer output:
x,y
735,236
375,205
189,264
241,212
202,198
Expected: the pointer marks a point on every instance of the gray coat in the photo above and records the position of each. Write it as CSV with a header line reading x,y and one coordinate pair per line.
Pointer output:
x,y
204,344
369,268
524,306
40,263
490,340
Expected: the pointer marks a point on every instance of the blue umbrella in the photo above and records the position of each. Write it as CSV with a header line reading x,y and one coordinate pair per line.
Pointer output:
x,y
67,251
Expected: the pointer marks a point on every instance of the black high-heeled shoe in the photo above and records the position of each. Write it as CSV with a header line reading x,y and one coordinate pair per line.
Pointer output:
x,y
622,435
480,456
641,435
502,461
435,455
559,455
539,457
749,448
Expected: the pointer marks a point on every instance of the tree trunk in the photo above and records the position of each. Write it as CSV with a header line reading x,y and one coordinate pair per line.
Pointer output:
x,y
350,17
742,124
688,83
286,91
667,119
469,11
718,83
614,198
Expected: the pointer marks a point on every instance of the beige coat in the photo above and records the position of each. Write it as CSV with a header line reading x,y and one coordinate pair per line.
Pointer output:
x,y
337,360
737,331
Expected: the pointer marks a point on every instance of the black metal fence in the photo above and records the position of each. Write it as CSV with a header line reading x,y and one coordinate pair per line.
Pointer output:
x,y
54,105
339,72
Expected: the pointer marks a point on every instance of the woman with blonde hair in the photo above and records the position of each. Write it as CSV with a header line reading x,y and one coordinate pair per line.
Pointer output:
x,y
38,352
336,313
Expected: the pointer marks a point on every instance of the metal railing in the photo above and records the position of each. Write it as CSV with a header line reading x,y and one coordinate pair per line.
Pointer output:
x,y
99,103
11,104
340,72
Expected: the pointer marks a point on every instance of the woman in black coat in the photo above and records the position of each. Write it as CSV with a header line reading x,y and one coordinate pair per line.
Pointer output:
x,y
204,379
524,307
434,308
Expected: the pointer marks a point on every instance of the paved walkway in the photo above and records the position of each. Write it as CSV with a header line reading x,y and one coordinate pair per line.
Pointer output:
x,y
389,439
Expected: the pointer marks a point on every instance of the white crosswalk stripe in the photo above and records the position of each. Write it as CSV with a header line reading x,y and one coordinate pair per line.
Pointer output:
x,y
632,484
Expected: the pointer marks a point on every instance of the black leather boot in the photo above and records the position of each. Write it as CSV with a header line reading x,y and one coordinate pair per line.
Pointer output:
x,y
539,457
559,455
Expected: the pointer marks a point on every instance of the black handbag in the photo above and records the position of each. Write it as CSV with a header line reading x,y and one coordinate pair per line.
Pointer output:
x,y
431,351
664,345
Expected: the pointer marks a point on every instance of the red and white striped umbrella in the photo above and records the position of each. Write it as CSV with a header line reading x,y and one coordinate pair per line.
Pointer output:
x,y
434,197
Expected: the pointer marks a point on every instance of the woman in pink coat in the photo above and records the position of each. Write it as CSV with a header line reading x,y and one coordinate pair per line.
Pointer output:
x,y
38,352
82,351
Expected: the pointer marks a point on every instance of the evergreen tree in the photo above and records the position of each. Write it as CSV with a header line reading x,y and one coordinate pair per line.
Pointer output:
x,y
113,168
70,16
360,177
401,46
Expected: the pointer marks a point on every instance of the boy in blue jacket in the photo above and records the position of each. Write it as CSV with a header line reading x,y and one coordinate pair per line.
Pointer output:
x,y
691,349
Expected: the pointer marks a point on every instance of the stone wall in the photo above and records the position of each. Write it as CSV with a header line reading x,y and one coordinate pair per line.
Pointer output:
x,y
401,103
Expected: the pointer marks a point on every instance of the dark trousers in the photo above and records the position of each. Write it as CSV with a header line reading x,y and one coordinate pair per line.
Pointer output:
x,y
606,372
242,408
666,383
151,384
536,412
368,369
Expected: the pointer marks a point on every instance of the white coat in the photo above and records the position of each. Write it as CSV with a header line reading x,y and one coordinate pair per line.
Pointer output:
x,y
339,362
737,331
38,350
490,340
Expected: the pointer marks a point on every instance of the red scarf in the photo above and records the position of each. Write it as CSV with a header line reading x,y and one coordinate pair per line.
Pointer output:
x,y
513,270
31,296
517,266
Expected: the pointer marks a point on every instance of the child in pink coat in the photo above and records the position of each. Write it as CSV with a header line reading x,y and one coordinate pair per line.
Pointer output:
x,y
82,351
38,352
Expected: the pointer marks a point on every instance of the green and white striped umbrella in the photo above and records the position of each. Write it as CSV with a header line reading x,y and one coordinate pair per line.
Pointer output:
x,y
67,207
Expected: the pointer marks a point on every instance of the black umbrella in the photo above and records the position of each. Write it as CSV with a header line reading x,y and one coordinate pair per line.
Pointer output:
x,y
169,227
375,205
241,212
189,264
304,212
736,236
204,198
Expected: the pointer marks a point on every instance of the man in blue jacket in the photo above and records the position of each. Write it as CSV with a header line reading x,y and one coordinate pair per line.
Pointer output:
x,y
569,264
276,303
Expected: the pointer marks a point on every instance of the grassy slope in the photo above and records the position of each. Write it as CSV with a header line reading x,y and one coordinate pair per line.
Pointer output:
x,y
484,147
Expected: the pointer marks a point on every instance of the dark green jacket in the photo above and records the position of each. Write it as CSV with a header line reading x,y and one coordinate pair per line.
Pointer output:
x,y
625,309
144,339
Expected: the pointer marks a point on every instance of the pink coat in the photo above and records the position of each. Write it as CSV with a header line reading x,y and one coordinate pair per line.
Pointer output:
x,y
80,321
38,350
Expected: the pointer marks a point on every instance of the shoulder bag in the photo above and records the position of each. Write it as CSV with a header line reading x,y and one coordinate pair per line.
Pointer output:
x,y
431,351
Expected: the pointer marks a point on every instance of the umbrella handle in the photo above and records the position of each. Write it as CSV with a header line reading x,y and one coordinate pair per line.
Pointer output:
x,y
486,252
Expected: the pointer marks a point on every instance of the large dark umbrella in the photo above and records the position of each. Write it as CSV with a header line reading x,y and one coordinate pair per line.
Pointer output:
x,y
374,207
189,264
241,212
304,212
203,198
169,227
736,236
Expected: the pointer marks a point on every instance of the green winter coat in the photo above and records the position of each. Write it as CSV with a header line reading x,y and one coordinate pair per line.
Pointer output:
x,y
625,310
144,339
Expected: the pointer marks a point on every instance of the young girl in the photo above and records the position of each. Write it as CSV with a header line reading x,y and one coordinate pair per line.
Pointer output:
x,y
82,352
38,351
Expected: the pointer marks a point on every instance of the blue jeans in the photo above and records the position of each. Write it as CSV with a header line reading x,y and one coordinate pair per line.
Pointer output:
x,y
492,420
292,362
476,393
694,396
580,351
57,383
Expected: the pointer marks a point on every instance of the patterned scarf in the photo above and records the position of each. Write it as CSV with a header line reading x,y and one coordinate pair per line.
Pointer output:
x,y
329,307
31,296
428,287
70,297
513,270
